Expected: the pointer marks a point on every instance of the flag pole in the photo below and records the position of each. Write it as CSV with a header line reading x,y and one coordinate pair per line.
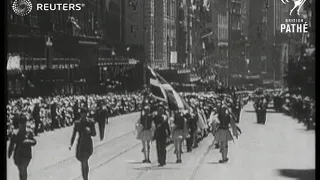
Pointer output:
x,y
144,45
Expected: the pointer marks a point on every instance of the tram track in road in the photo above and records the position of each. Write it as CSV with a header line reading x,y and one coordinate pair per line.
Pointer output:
x,y
203,157
141,173
193,162
72,158
109,159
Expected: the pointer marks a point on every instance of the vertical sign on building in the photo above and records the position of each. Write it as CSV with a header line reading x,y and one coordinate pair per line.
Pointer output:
x,y
133,22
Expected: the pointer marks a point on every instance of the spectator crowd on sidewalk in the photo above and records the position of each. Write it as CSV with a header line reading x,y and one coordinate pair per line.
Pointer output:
x,y
49,113
295,105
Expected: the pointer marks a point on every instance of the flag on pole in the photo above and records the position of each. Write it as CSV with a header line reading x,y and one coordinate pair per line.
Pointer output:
x,y
162,90
156,88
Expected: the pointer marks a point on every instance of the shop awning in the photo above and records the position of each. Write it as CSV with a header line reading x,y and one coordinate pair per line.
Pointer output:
x,y
30,63
117,61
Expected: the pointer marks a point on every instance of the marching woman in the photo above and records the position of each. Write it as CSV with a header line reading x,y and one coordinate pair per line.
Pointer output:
x,y
214,123
145,132
223,134
20,144
178,134
86,128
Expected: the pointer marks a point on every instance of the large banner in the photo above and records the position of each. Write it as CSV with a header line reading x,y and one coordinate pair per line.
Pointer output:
x,y
13,63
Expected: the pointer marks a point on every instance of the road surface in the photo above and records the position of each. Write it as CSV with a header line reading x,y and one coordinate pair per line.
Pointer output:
x,y
281,149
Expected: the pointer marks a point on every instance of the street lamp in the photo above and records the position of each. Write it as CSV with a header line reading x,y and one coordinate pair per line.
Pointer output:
x,y
49,45
113,55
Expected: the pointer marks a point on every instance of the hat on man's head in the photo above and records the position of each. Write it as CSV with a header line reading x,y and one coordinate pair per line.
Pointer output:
x,y
22,119
84,110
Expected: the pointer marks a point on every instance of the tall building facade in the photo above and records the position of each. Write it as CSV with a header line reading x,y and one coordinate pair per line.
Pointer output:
x,y
165,36
149,30
219,14
160,46
42,36
236,60
257,36
172,19
182,31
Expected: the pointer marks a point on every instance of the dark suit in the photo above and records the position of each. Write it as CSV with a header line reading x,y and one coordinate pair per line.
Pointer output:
x,y
161,134
55,123
100,117
36,117
21,147
192,129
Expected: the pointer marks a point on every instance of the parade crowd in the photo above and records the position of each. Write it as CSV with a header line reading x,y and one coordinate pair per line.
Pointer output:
x,y
163,122
295,105
49,113
207,113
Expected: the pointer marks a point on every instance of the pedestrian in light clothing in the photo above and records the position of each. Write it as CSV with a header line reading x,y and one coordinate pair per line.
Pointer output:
x,y
86,128
20,145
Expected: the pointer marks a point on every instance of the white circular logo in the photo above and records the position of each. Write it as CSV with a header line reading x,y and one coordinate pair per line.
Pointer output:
x,y
22,7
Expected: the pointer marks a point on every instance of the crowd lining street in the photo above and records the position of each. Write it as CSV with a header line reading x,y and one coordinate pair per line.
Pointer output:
x,y
280,149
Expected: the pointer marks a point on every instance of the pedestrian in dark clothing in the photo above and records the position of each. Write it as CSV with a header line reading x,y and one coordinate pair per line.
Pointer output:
x,y
53,112
76,113
20,145
192,129
100,118
86,128
161,135
36,117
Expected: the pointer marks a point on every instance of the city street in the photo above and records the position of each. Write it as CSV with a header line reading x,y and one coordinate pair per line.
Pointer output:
x,y
281,149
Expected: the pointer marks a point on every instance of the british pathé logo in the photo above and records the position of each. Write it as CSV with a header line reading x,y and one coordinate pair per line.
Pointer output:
x,y
297,4
294,25
22,7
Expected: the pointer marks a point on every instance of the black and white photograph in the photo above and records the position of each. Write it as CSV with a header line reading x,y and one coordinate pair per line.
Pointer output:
x,y
160,89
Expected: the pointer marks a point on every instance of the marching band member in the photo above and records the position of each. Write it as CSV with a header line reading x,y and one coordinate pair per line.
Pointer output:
x,y
192,130
162,132
178,131
213,123
145,132
86,128
223,134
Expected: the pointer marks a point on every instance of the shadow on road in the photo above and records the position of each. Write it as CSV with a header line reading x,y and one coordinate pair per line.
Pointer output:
x,y
165,168
136,162
156,168
299,174
270,112
213,163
